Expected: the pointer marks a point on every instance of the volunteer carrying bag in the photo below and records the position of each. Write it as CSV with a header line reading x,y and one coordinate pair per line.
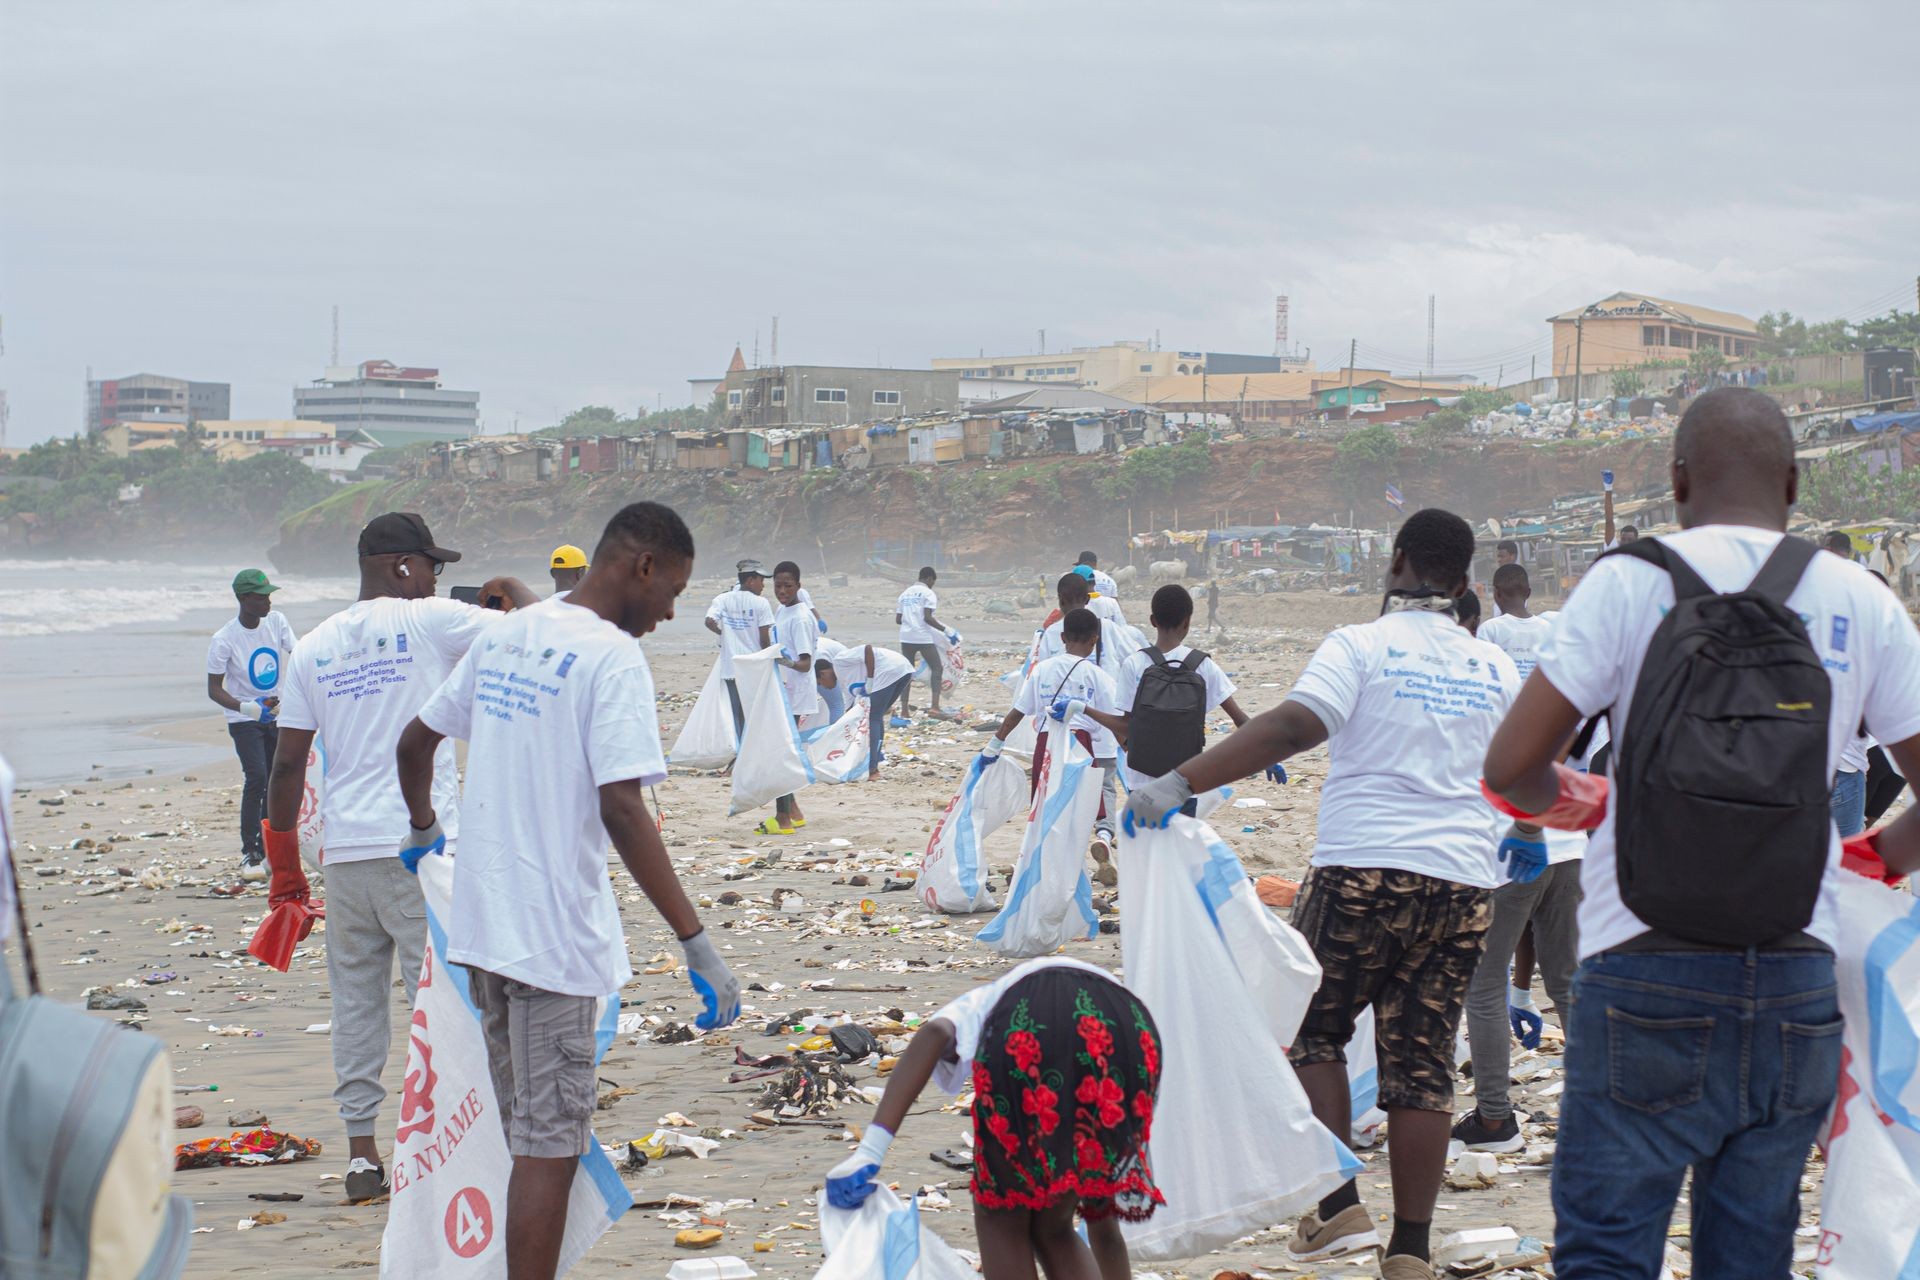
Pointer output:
x,y
1050,899
450,1164
1720,792
1235,1147
707,739
953,871
884,1240
772,761
1169,713
1870,1203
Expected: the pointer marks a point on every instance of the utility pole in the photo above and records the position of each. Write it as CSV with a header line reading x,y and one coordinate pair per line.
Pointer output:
x,y
1429,333
335,361
1353,345
1579,336
773,344
1043,342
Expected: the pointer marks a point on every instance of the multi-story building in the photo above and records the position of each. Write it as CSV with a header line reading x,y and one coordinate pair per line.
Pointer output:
x,y
817,395
389,404
1114,365
1627,330
151,397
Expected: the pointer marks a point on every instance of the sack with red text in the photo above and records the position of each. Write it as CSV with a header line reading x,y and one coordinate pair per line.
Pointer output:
x,y
1870,1203
450,1164
313,831
839,751
953,870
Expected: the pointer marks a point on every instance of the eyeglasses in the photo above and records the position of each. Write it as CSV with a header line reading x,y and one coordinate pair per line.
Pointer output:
x,y
439,567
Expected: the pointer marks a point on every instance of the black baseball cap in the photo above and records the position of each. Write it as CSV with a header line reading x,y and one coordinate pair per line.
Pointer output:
x,y
401,533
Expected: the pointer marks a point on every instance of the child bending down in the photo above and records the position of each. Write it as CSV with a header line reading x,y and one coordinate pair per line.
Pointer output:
x,y
1065,1067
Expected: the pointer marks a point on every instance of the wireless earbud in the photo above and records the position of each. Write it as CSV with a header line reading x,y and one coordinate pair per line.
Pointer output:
x,y
404,571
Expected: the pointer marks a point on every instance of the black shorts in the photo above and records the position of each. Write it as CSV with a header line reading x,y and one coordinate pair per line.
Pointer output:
x,y
1405,943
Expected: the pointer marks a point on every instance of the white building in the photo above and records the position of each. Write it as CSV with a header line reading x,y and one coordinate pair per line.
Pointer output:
x,y
389,404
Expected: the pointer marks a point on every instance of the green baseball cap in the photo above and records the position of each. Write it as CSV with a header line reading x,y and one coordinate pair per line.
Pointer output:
x,y
252,582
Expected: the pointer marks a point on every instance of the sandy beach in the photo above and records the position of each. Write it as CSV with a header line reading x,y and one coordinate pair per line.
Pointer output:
x,y
126,884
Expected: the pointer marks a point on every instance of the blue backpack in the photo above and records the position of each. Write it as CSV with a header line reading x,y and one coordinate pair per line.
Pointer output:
x,y
86,1139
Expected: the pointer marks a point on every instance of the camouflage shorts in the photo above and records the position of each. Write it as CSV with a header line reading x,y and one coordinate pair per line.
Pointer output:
x,y
1406,944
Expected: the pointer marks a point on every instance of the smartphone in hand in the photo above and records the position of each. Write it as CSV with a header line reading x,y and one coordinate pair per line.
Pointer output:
x,y
471,595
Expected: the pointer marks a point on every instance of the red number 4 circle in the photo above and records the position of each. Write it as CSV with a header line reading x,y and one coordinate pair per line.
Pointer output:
x,y
469,1223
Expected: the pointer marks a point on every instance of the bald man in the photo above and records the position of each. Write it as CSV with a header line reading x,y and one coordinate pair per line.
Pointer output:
x,y
1682,1053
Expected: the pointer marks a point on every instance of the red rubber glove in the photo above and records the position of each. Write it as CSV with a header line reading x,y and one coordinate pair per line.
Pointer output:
x,y
1861,855
289,882
1580,805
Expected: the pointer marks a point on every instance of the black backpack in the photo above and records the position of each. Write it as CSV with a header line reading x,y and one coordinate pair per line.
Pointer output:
x,y
1721,824
1169,719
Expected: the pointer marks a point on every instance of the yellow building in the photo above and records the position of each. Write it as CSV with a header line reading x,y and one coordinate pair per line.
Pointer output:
x,y
1627,330
123,438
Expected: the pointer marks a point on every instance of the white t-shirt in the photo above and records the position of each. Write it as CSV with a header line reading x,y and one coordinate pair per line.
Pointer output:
x,y
555,703
740,614
796,631
1410,701
1105,585
1108,609
849,664
968,1016
1110,652
250,658
1857,626
1127,688
912,607
1077,680
1853,757
1519,638
357,678
805,597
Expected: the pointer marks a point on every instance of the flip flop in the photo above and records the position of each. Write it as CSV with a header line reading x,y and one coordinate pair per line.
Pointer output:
x,y
799,823
772,827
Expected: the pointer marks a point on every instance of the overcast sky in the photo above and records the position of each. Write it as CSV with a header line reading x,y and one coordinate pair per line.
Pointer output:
x,y
568,203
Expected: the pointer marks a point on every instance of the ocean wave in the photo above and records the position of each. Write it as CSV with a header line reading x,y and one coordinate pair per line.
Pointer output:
x,y
86,605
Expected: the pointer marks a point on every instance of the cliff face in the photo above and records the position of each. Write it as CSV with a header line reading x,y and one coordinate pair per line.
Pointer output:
x,y
990,515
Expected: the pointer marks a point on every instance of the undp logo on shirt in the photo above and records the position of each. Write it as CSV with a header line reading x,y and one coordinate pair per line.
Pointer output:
x,y
263,668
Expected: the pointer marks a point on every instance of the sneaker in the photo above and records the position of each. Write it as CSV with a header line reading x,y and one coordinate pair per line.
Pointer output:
x,y
1404,1266
1477,1135
1350,1231
253,867
365,1180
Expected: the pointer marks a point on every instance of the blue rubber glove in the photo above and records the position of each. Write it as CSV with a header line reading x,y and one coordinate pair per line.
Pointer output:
x,y
1155,803
953,637
718,989
822,624
257,711
857,689
1067,710
1277,774
1527,1026
854,1179
993,748
419,843
1525,855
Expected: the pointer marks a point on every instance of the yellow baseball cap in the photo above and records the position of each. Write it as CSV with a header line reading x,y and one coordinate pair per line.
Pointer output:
x,y
568,556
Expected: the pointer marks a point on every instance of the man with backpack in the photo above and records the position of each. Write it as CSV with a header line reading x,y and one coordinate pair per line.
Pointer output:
x,y
1167,690
1400,894
1705,1031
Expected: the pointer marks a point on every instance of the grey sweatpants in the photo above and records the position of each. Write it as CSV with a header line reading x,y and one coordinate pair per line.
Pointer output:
x,y
1552,903
374,910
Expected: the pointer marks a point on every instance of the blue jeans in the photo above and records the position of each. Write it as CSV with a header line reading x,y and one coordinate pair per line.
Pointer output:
x,y
879,702
1722,1062
254,744
1849,803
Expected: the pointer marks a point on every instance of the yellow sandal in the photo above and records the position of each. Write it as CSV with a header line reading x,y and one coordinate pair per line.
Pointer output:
x,y
772,827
